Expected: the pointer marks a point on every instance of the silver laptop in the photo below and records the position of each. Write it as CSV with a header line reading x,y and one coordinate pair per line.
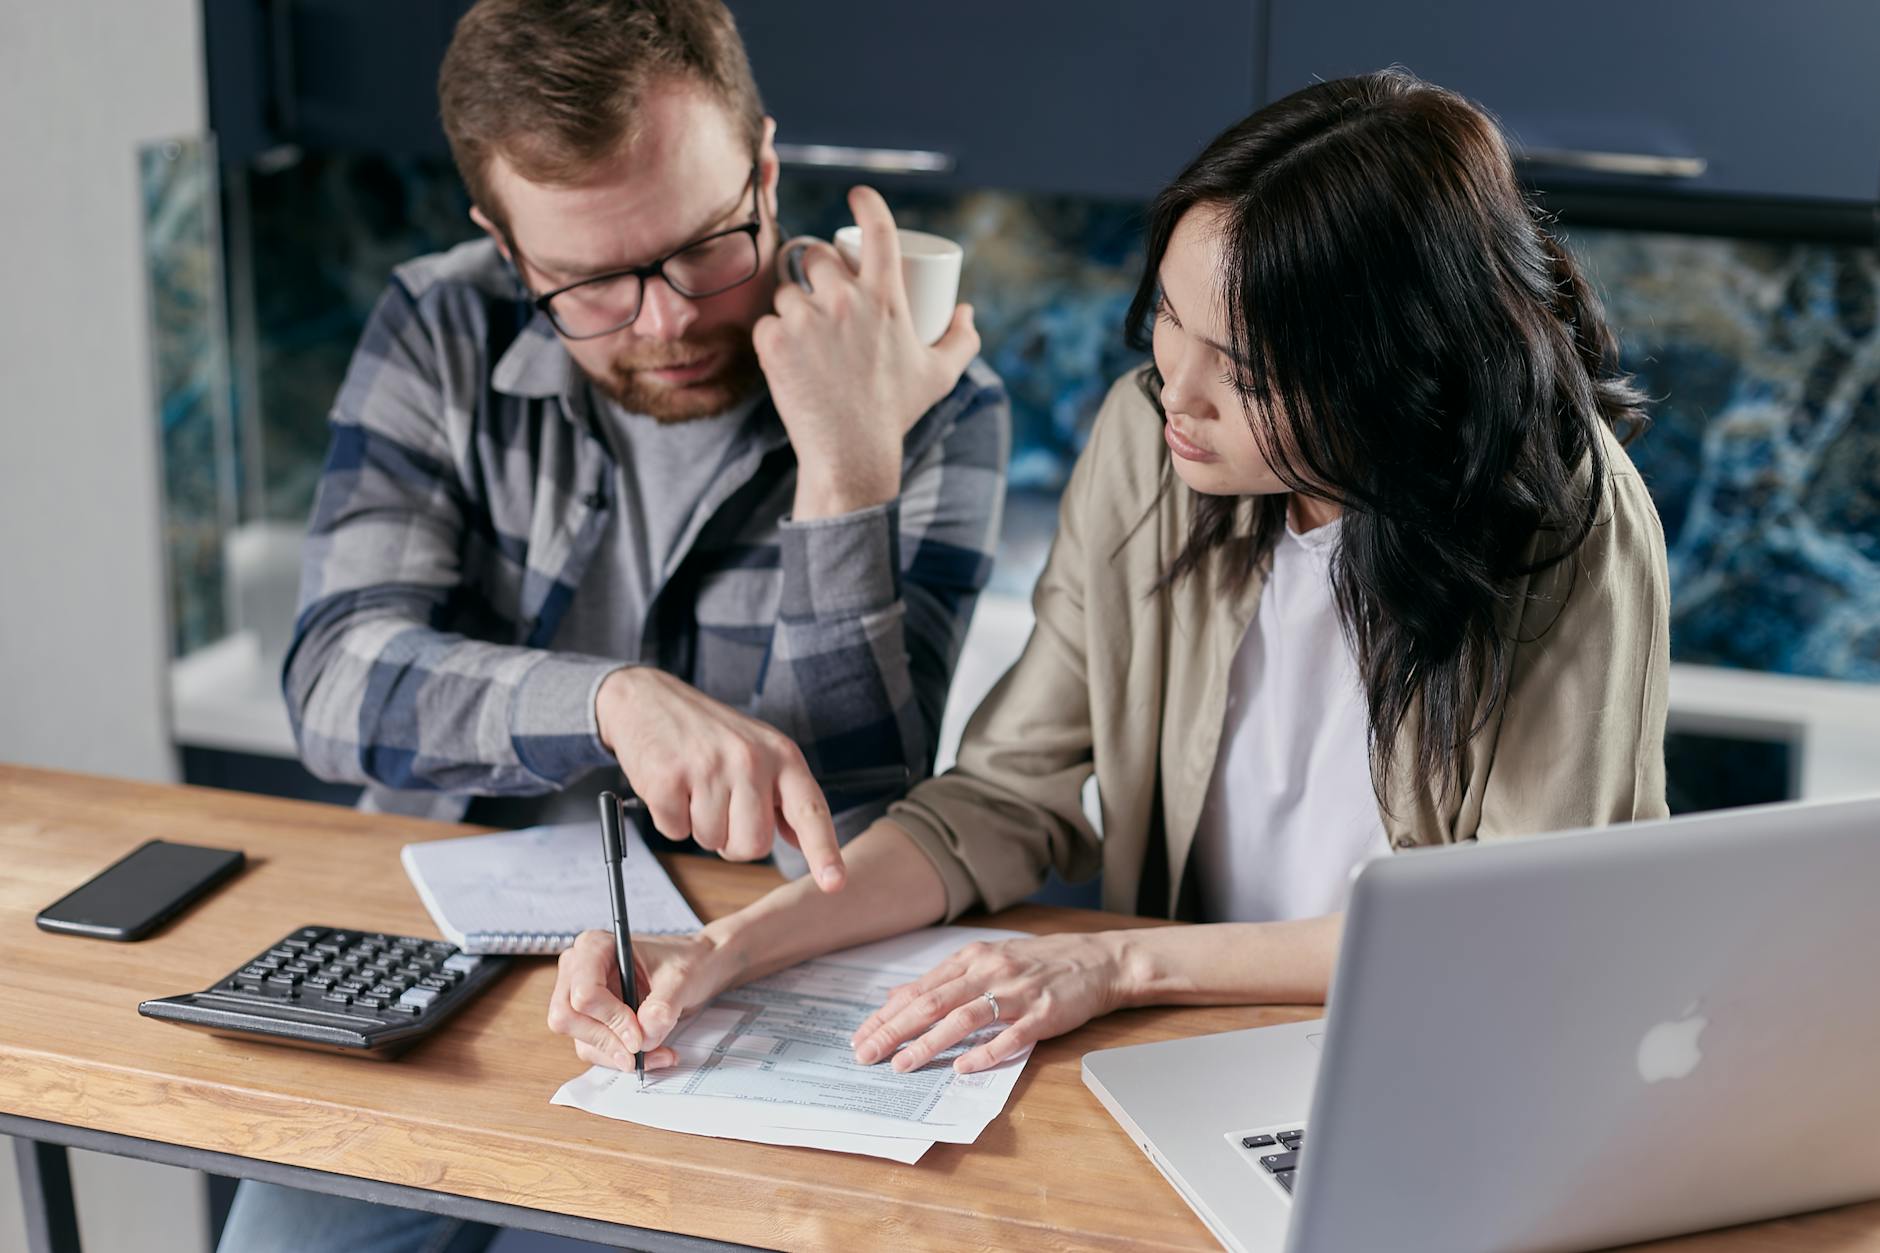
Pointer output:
x,y
1559,1043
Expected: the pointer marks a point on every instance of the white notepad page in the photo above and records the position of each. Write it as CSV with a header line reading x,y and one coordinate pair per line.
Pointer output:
x,y
535,890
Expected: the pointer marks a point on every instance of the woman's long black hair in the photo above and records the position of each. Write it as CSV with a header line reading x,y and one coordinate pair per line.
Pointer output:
x,y
1414,347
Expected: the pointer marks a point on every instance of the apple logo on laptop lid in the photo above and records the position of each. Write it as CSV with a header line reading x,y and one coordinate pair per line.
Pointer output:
x,y
1670,1049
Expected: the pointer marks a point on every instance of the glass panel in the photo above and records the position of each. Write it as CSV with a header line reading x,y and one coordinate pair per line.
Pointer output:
x,y
323,234
182,252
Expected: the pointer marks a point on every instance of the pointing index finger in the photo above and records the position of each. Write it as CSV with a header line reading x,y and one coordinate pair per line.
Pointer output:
x,y
807,811
881,246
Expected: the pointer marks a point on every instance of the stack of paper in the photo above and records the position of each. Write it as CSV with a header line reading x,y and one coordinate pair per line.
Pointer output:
x,y
771,1062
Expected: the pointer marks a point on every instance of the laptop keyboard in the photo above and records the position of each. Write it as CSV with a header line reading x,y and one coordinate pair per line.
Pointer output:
x,y
1275,1153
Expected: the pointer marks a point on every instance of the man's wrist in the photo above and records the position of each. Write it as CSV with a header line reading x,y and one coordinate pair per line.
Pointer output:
x,y
832,497
613,696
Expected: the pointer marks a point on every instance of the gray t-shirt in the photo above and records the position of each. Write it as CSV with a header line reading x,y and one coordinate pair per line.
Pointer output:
x,y
663,471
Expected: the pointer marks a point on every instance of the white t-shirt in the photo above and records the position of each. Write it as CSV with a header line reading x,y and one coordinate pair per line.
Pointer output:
x,y
1290,811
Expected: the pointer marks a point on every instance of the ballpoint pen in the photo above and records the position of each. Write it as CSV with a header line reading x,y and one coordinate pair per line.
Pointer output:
x,y
611,847
613,815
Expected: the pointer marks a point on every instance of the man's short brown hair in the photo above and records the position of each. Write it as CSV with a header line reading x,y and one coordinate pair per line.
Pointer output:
x,y
554,85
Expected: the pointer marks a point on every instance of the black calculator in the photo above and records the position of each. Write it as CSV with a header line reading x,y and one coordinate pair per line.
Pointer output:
x,y
358,992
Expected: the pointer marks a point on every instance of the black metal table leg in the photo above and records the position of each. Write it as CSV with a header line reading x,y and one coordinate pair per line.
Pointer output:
x,y
46,1196
221,1199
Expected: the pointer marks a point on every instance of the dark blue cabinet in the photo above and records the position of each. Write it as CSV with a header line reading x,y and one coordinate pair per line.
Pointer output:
x,y
1098,97
1748,97
1754,98
326,75
1092,97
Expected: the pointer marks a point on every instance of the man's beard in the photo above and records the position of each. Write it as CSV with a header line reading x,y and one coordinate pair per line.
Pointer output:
x,y
736,376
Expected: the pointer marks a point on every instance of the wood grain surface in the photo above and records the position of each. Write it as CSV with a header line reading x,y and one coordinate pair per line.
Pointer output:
x,y
467,1111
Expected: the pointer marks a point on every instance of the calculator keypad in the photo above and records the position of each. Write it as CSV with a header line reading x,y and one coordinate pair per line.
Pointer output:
x,y
360,970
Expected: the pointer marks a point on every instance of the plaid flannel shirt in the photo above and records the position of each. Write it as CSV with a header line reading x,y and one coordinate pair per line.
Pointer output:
x,y
464,492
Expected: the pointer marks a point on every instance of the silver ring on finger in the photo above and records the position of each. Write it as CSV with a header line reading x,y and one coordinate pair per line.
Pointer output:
x,y
994,1002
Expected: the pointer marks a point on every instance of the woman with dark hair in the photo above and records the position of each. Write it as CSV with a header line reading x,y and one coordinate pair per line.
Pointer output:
x,y
1357,564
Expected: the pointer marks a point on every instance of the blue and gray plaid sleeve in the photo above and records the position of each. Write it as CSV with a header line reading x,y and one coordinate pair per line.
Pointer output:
x,y
379,689
875,604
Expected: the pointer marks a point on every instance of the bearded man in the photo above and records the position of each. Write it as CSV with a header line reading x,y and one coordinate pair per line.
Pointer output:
x,y
606,497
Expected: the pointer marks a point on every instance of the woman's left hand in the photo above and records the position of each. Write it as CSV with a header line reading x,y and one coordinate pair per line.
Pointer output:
x,y
1044,985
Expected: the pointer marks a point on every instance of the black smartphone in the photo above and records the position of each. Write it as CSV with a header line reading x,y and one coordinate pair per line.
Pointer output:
x,y
141,891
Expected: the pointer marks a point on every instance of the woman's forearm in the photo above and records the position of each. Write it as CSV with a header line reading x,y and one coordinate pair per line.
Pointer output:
x,y
891,888
1229,963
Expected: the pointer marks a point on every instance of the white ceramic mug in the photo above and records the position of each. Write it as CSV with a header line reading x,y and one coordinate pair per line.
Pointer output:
x,y
930,269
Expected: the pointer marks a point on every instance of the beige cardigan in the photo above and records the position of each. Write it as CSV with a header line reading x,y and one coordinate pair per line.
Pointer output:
x,y
1133,685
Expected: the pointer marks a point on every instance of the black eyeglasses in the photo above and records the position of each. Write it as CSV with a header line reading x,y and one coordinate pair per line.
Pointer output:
x,y
711,264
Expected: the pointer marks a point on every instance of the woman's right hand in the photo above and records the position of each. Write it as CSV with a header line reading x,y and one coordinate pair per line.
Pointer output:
x,y
677,974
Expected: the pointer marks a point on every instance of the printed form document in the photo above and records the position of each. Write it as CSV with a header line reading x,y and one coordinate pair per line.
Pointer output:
x,y
771,1062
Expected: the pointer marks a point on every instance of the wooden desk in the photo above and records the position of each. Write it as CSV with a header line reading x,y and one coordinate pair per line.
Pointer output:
x,y
462,1124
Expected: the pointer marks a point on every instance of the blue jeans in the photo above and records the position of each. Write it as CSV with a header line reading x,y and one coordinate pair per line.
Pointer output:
x,y
269,1218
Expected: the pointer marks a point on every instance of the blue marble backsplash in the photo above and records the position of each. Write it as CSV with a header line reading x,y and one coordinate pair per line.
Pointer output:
x,y
1763,362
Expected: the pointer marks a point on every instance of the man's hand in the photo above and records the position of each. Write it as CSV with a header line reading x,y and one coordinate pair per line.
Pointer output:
x,y
846,371
705,770
678,973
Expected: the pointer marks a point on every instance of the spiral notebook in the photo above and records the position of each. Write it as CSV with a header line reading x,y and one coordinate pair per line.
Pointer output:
x,y
535,890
